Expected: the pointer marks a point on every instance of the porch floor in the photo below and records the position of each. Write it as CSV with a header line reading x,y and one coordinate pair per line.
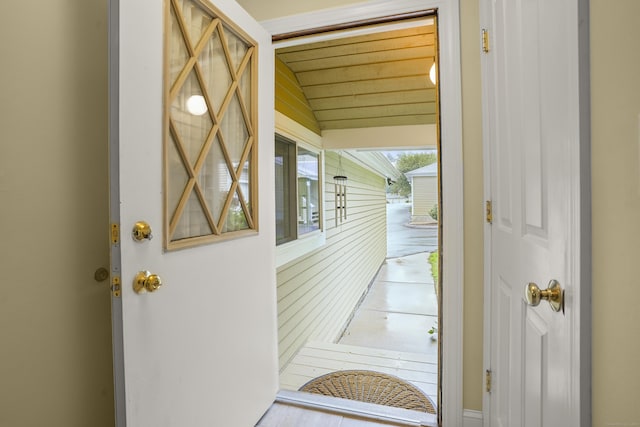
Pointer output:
x,y
388,332
317,358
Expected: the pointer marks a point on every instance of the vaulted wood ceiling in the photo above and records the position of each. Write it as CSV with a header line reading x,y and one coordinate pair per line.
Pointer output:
x,y
380,79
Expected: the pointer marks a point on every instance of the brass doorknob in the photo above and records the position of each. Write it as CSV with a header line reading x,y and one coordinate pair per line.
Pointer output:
x,y
554,294
145,281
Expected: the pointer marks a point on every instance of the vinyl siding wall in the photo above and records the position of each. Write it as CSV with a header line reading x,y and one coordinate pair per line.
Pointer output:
x,y
318,291
425,195
290,99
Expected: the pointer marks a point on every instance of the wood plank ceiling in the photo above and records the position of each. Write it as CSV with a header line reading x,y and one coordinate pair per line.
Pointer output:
x,y
379,79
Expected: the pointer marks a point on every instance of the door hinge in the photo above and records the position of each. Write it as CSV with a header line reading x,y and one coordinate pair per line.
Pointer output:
x,y
115,286
487,380
115,233
485,40
489,216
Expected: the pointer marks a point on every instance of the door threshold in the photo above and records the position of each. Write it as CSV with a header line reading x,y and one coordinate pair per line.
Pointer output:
x,y
369,411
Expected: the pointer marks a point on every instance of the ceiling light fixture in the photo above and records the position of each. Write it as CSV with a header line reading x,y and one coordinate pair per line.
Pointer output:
x,y
432,73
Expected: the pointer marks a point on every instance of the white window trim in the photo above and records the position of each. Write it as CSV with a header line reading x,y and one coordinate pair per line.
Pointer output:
x,y
311,141
295,131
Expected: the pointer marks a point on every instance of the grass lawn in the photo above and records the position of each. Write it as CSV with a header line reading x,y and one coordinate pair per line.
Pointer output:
x,y
433,260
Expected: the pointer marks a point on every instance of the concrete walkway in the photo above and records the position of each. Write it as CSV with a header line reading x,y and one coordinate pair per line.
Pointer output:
x,y
399,309
401,305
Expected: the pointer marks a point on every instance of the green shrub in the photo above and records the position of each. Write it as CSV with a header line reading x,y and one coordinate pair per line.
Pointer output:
x,y
434,212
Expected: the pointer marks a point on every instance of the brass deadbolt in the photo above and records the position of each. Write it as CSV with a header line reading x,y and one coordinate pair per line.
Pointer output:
x,y
145,281
141,231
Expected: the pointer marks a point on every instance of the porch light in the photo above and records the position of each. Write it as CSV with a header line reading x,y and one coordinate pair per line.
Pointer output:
x,y
432,73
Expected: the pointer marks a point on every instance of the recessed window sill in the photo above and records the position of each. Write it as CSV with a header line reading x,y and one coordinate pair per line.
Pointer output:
x,y
289,251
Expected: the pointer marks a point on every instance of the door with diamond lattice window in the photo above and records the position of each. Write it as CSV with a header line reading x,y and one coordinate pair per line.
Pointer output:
x,y
191,137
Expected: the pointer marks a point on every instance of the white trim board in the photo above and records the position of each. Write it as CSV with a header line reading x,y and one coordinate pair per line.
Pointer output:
x,y
370,411
472,418
452,172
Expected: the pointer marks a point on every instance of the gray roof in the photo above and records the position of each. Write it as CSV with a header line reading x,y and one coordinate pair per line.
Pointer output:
x,y
429,170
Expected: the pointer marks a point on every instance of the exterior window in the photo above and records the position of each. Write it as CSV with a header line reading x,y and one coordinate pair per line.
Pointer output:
x,y
298,208
285,187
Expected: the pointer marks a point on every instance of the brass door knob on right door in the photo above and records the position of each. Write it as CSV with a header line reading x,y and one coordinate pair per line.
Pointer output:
x,y
553,294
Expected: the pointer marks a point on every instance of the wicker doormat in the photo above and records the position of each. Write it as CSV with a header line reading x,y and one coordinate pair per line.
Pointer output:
x,y
372,387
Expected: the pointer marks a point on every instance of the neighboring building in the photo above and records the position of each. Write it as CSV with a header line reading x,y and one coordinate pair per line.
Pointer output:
x,y
424,192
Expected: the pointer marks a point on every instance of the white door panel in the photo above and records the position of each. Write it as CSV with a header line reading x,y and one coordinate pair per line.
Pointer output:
x,y
503,342
535,347
201,350
531,82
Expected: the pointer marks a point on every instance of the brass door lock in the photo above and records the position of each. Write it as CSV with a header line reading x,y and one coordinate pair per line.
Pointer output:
x,y
145,281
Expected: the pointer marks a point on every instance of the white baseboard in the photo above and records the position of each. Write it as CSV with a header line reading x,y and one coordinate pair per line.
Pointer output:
x,y
472,418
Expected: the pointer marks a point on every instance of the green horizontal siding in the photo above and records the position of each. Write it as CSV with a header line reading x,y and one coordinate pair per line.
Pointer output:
x,y
290,99
425,194
318,291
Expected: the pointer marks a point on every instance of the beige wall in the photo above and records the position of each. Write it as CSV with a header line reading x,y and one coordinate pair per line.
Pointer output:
x,y
615,92
262,10
55,326
473,205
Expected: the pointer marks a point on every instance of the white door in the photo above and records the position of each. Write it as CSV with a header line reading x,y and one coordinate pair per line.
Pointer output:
x,y
536,148
201,349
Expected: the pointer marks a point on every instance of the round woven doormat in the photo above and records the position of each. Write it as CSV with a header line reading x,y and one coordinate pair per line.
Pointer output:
x,y
371,387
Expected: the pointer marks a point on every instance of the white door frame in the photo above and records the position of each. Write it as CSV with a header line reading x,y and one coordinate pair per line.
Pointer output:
x,y
580,240
452,173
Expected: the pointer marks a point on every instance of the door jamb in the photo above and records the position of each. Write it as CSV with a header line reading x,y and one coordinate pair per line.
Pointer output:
x,y
450,410
114,209
485,20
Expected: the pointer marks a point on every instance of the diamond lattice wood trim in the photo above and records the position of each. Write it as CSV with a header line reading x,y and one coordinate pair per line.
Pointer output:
x,y
220,26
